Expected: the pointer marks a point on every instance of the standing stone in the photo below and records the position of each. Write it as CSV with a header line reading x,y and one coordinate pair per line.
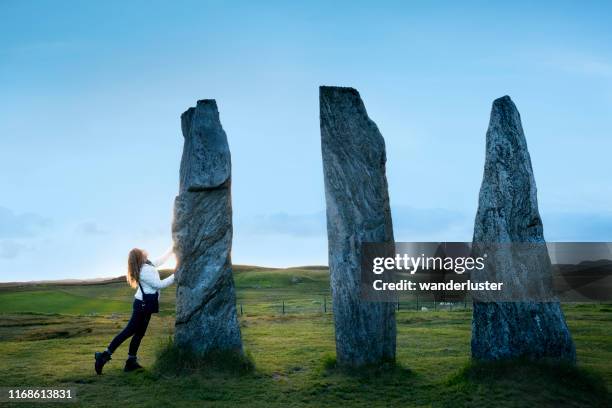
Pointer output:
x,y
357,211
206,318
508,213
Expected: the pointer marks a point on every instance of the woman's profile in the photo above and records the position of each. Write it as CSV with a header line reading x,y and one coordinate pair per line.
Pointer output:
x,y
142,275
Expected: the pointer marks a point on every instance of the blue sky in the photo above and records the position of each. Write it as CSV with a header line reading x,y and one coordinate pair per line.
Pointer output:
x,y
92,93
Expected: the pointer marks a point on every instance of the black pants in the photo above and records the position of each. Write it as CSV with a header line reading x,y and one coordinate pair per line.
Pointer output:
x,y
136,328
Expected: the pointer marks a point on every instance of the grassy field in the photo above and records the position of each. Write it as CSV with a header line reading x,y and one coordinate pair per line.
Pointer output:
x,y
48,334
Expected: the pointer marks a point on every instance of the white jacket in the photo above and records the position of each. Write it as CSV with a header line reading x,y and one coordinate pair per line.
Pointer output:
x,y
149,277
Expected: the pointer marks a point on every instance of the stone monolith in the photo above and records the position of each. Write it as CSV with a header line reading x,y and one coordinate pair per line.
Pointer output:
x,y
508,227
206,318
357,211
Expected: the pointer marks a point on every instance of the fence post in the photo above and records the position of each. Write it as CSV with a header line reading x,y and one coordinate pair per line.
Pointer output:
x,y
324,304
398,306
283,307
241,309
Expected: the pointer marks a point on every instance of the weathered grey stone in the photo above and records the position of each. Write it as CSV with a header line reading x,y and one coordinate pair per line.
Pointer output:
x,y
206,161
206,318
508,213
357,211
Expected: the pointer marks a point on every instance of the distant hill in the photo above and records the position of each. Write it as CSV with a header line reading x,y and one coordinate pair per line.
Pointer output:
x,y
163,273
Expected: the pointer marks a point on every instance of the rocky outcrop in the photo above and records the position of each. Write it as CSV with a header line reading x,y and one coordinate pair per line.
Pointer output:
x,y
357,211
530,322
206,318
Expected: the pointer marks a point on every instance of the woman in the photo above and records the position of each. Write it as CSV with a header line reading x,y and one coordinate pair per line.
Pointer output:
x,y
141,274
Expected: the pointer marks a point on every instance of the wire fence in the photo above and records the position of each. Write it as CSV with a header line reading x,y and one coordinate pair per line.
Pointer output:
x,y
323,305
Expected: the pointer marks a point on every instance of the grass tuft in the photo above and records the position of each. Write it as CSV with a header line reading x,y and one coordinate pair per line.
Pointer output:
x,y
554,371
385,370
329,362
537,381
174,361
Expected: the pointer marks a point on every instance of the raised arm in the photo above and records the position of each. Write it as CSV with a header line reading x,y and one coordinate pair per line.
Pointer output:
x,y
150,276
162,259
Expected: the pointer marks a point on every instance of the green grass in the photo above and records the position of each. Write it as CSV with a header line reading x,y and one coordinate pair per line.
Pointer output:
x,y
172,360
48,335
58,301
558,384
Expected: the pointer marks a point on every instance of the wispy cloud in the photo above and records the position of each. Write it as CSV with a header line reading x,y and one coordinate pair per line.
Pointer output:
x,y
90,228
33,49
13,225
412,224
282,223
558,60
409,224
10,249
574,62
574,226
431,224
585,65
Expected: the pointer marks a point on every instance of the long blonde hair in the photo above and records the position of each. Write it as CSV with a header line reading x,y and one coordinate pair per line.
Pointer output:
x,y
136,259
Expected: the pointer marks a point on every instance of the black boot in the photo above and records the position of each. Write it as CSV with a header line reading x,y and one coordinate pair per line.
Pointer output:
x,y
131,364
101,359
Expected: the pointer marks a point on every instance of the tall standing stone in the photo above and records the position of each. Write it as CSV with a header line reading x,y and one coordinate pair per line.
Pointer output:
x,y
508,213
357,211
206,318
